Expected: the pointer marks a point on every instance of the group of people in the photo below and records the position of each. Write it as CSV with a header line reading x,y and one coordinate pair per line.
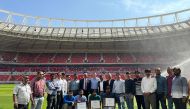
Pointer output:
x,y
150,90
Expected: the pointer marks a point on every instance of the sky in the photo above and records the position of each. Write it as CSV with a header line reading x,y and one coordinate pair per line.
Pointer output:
x,y
93,9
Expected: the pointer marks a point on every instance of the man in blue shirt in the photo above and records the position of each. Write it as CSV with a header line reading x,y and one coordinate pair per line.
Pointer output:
x,y
161,91
119,90
80,98
94,83
74,85
69,100
52,92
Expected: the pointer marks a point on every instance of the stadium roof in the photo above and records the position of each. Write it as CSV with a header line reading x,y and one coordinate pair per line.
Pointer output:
x,y
18,31
40,27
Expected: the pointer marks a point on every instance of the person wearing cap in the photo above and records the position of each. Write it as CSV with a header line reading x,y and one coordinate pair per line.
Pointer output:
x,y
148,87
179,90
74,85
161,91
51,92
129,90
38,86
22,94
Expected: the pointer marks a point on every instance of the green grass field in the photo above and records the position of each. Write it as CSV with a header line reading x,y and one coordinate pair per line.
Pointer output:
x,y
6,101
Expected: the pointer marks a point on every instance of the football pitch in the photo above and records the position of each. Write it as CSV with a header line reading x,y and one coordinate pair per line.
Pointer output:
x,y
6,101
6,96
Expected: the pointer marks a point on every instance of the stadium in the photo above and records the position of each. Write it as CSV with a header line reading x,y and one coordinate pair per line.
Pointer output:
x,y
31,43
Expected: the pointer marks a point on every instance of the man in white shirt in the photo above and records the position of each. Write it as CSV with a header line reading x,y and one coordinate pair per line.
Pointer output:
x,y
74,85
62,89
119,90
22,94
179,90
101,85
109,81
68,79
148,87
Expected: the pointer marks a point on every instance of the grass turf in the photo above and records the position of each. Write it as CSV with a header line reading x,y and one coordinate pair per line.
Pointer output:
x,y
6,101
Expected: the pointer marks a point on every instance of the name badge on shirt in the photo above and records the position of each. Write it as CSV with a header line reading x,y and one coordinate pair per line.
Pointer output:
x,y
109,102
121,98
81,105
95,104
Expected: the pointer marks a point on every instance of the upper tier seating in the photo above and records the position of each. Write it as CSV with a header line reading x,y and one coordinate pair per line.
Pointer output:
x,y
110,58
61,58
77,58
83,58
93,57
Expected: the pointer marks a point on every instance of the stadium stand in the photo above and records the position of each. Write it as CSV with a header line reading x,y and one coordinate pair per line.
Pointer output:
x,y
77,58
93,58
61,58
80,58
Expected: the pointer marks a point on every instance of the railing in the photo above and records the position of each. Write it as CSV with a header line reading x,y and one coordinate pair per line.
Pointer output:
x,y
163,19
35,27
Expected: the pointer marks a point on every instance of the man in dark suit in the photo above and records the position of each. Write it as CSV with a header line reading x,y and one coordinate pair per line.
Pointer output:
x,y
109,81
101,85
84,84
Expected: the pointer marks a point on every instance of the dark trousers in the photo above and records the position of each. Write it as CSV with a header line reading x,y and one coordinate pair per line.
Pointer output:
x,y
86,92
51,101
59,100
160,97
150,100
22,106
121,105
140,101
170,102
179,104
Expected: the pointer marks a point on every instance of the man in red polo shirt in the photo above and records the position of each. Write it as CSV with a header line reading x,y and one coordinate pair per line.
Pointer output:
x,y
38,90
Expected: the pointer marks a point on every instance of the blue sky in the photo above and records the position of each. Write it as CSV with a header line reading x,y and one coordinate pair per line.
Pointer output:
x,y
93,9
